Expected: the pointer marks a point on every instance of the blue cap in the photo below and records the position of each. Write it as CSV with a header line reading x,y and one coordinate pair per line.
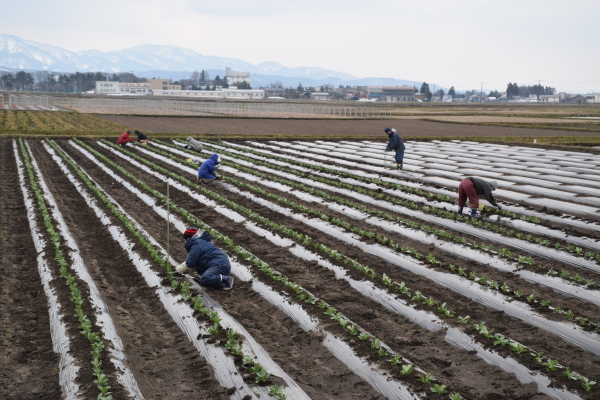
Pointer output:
x,y
387,130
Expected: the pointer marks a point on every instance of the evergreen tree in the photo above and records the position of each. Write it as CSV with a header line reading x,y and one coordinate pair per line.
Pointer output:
x,y
452,92
424,88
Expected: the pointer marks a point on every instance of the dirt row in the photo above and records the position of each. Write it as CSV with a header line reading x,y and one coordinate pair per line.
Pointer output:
x,y
158,351
324,284
407,128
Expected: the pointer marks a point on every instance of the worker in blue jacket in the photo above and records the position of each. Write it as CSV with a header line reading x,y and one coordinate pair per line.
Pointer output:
x,y
210,262
207,171
395,143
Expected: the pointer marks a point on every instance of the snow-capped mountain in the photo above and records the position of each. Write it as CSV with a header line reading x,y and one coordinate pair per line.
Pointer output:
x,y
17,53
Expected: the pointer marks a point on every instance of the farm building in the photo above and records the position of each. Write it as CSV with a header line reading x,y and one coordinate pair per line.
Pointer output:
x,y
390,93
112,87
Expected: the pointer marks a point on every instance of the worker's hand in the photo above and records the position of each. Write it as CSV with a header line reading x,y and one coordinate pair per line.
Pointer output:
x,y
499,207
183,269
219,177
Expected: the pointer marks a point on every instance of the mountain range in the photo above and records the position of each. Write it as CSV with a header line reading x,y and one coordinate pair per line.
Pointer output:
x,y
167,62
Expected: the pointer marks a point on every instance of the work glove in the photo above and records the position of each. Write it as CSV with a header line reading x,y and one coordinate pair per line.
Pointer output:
x,y
183,269
499,207
460,211
219,178
474,212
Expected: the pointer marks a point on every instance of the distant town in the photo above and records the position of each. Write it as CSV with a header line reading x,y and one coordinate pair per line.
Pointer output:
x,y
238,85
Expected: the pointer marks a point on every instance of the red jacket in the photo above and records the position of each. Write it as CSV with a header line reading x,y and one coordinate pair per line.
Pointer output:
x,y
124,138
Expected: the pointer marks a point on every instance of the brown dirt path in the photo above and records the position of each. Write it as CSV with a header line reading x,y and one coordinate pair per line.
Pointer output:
x,y
407,128
163,361
28,365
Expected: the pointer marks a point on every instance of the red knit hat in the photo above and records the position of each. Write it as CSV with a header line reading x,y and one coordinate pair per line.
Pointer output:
x,y
190,231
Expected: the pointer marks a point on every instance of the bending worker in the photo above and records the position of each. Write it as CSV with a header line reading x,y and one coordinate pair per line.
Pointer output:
x,y
472,188
142,137
395,143
194,144
124,138
210,262
207,171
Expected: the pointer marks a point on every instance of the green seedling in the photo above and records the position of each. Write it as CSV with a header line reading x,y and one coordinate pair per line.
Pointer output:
x,y
570,374
375,344
544,303
425,378
455,396
538,358
518,293
463,320
439,389
583,321
262,376
381,352
364,336
570,314
586,384
504,287
352,330
552,365
500,340
530,298
277,392
407,369
396,359
517,347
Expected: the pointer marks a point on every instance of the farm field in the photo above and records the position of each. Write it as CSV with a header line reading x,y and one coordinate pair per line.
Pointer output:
x,y
408,128
352,280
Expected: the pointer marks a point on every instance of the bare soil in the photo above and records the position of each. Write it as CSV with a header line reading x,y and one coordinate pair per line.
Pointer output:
x,y
167,366
407,128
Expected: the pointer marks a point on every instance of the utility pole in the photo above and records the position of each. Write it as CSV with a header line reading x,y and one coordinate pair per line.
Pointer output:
x,y
131,76
481,91
539,85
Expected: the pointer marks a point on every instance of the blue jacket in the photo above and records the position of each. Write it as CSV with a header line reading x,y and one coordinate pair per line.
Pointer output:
x,y
395,143
203,254
207,169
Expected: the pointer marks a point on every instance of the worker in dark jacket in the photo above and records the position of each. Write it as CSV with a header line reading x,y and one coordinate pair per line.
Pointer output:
x,y
210,262
124,138
472,188
207,171
141,137
395,143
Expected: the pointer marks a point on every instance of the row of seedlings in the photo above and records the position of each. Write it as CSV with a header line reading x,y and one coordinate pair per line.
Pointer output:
x,y
377,345
233,204
233,343
87,327
441,309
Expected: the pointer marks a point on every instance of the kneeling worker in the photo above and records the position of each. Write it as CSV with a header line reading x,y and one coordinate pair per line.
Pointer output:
x,y
207,171
142,137
472,188
211,263
194,144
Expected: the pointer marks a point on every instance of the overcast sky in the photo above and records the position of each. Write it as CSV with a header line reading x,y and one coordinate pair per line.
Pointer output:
x,y
460,43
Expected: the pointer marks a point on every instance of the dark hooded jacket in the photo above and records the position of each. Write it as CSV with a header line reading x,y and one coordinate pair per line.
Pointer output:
x,y
141,136
395,143
483,188
203,254
207,169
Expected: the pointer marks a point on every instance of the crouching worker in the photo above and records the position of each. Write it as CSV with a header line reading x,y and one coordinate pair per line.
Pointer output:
x,y
194,144
142,137
207,171
211,263
124,139
472,188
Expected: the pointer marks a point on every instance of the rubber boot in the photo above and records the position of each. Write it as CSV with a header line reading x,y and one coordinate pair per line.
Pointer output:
x,y
474,212
460,210
399,167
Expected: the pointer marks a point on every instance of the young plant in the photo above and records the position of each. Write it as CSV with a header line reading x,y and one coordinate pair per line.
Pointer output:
x,y
364,336
455,396
407,369
425,378
277,392
552,365
439,389
396,359
463,320
517,347
586,384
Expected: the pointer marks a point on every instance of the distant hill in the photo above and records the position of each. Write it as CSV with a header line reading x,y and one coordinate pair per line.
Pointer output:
x,y
170,62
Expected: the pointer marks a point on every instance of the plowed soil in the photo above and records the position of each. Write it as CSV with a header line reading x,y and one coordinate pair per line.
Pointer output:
x,y
167,366
408,128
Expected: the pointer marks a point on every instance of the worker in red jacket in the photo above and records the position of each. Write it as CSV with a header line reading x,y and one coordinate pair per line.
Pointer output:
x,y
124,138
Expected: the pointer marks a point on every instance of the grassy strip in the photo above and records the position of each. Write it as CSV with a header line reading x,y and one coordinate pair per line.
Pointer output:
x,y
494,227
232,345
85,324
498,339
519,125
